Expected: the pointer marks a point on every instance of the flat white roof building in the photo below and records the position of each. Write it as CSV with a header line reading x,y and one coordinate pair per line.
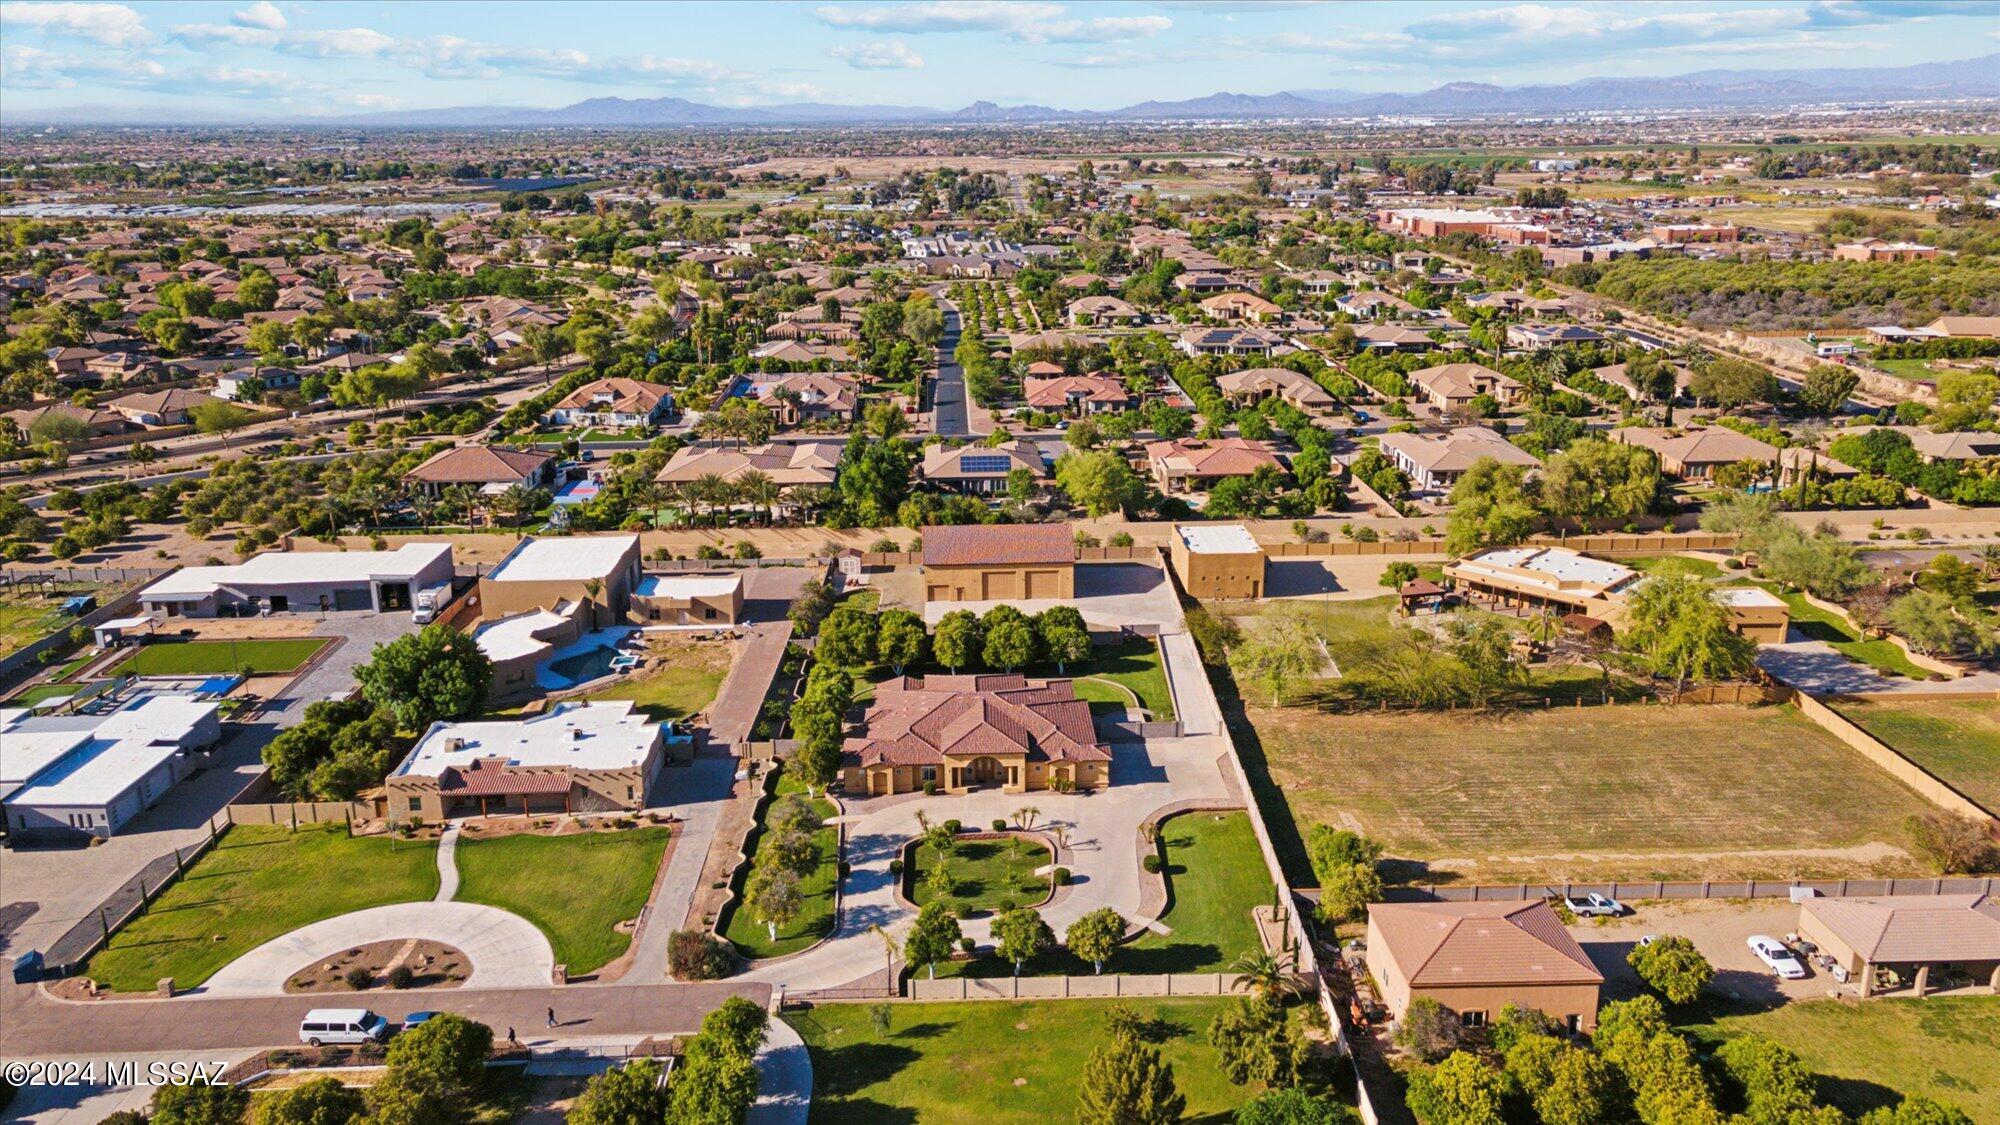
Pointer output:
x,y
579,736
305,581
568,559
64,775
1218,539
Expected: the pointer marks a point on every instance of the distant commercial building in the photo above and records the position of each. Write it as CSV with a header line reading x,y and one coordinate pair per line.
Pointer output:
x,y
304,582
1218,562
71,776
1882,250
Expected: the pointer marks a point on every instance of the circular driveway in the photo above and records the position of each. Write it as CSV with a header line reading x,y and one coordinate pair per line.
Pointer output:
x,y
505,949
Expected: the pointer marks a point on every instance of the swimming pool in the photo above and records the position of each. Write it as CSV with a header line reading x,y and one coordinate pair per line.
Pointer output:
x,y
582,667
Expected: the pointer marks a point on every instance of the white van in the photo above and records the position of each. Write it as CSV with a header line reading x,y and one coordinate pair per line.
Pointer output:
x,y
342,1025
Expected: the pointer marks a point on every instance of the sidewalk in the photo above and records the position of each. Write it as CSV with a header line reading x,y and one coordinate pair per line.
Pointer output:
x,y
734,715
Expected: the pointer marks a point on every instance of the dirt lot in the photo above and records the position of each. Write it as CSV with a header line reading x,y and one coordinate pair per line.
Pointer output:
x,y
1637,792
1720,928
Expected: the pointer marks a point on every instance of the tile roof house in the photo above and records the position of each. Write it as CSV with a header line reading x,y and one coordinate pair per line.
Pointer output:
x,y
1228,341
1193,464
1101,310
1076,394
1391,338
1456,384
1980,327
486,467
788,465
1548,335
1695,454
1238,305
1908,934
982,469
154,409
617,403
1259,383
100,422
808,396
1476,957
960,733
1434,464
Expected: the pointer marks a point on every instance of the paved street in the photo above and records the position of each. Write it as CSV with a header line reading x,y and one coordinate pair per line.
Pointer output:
x,y
948,401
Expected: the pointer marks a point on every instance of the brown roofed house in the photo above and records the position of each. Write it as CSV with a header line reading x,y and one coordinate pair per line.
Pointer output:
x,y
619,403
1076,394
483,467
999,562
1451,385
1259,383
1476,957
960,733
982,469
1695,454
1193,464
155,409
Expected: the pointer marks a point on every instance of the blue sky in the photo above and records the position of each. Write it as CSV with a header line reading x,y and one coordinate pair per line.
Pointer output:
x,y
274,57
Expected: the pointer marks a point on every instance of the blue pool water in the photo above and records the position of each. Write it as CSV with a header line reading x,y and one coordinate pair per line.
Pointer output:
x,y
583,666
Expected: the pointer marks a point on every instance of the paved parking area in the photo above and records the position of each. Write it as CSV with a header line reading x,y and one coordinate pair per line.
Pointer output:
x,y
1721,929
1109,595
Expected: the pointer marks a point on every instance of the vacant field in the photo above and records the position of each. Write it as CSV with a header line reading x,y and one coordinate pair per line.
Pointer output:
x,y
257,883
684,685
1638,791
989,1062
1866,1055
1958,740
205,658
575,889
27,617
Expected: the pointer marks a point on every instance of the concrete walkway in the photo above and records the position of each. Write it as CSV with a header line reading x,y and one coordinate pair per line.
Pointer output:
x,y
734,715
697,796
1194,700
785,1073
505,949
1819,669
447,859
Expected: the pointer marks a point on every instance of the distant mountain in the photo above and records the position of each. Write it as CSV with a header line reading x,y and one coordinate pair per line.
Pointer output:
x,y
1977,78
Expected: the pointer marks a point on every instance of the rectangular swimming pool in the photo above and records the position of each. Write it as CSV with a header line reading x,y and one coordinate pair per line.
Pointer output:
x,y
582,667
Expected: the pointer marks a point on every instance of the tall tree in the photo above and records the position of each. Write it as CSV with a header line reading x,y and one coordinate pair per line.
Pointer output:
x,y
1126,1082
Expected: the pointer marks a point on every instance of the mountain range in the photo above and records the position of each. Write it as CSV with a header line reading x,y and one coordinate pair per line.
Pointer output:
x,y
1976,78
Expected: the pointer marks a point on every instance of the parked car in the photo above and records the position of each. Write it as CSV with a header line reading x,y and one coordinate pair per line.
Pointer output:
x,y
1594,905
342,1025
1776,957
416,1018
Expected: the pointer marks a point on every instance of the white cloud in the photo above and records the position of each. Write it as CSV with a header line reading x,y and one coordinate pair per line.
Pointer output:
x,y
878,56
30,68
262,14
113,25
368,101
213,34
341,42
1023,22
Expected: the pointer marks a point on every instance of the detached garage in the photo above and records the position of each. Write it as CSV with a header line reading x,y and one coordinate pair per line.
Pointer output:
x,y
303,582
999,563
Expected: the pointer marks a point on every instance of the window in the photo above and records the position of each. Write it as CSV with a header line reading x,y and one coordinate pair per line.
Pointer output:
x,y
709,613
416,804
930,773
628,792
1472,1019
1575,1023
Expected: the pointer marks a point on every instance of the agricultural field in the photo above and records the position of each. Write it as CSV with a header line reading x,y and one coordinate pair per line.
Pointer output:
x,y
1627,790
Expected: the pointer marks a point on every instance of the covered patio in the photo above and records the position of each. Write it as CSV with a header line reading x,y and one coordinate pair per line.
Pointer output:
x,y
1913,946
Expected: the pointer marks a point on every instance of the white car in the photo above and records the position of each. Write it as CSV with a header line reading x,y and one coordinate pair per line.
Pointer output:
x,y
1594,905
1776,957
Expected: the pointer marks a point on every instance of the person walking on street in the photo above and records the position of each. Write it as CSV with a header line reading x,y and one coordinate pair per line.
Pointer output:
x,y
510,1038
552,1017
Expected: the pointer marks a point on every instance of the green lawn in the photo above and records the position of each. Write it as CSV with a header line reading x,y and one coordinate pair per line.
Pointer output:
x,y
1840,633
1215,875
28,617
1626,791
1956,739
257,883
991,874
684,685
576,889
206,658
1868,1054
992,1062
39,692
1133,666
815,921
1675,564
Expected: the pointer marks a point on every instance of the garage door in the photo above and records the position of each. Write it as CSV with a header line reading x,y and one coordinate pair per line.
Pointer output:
x,y
1002,585
351,598
1044,584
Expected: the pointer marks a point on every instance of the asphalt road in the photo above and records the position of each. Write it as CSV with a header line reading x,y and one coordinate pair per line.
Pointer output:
x,y
948,411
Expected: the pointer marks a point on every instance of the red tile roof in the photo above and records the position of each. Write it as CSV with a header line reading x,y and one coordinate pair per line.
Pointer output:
x,y
922,721
999,544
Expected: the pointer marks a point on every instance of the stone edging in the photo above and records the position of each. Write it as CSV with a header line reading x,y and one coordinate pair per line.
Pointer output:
x,y
733,901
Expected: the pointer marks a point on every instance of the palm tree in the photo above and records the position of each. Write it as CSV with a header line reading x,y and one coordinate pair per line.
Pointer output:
x,y
713,490
1989,558
759,489
1268,977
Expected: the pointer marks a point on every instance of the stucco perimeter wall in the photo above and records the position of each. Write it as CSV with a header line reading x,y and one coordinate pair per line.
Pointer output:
x,y
1928,785
1109,986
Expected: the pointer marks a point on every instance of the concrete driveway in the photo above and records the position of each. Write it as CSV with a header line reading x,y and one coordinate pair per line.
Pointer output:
x,y
1816,668
1109,595
506,950
1720,930
1103,853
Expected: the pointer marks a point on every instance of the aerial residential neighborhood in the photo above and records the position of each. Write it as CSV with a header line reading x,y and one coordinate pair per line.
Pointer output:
x,y
1117,562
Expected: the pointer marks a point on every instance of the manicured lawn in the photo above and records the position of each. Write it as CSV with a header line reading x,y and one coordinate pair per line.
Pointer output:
x,y
1134,666
993,1062
815,921
40,692
1633,791
685,685
1956,739
1215,876
206,658
1674,564
1838,632
575,889
1867,1054
259,882
990,873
